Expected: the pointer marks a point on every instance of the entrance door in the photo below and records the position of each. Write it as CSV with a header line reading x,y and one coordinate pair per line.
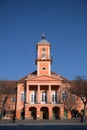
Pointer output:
x,y
56,112
45,113
33,112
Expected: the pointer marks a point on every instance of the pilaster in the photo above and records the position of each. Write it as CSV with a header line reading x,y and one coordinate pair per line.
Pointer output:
x,y
38,94
49,95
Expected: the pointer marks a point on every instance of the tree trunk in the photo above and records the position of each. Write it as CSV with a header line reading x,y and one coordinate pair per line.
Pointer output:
x,y
84,111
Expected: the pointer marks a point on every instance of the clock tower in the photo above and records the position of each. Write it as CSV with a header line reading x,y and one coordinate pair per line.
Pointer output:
x,y
43,60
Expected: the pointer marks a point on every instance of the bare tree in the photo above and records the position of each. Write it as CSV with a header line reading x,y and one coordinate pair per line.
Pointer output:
x,y
79,88
70,102
4,100
7,88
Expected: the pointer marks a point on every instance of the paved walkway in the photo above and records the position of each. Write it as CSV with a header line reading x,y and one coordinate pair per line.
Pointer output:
x,y
43,122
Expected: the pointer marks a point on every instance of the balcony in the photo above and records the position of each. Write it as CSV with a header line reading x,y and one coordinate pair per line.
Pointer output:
x,y
57,102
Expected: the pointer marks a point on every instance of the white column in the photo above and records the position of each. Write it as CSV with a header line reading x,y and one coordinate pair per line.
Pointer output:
x,y
49,94
27,94
38,94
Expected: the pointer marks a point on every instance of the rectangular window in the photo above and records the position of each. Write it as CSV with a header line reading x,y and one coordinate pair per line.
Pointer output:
x,y
13,99
54,97
64,96
44,97
33,97
43,56
43,49
23,96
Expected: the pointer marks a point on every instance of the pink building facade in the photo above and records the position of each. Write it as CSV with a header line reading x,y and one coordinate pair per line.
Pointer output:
x,y
41,94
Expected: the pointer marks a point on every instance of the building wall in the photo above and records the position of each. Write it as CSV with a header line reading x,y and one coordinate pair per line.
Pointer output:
x,y
43,95
9,106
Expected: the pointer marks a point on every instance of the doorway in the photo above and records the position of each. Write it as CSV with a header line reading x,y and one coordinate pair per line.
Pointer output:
x,y
33,112
45,113
56,113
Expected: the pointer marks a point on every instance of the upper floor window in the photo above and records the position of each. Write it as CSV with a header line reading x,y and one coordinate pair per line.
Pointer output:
x,y
13,99
64,96
23,96
73,98
54,97
44,97
33,97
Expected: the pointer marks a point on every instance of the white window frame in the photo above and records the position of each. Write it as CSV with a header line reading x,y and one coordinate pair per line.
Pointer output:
x,y
23,96
43,97
64,96
33,97
43,56
54,97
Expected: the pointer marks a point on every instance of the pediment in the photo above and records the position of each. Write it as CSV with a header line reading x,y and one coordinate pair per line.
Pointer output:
x,y
45,77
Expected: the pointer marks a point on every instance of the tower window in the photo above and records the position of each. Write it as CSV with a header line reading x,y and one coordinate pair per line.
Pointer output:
x,y
43,56
43,49
43,68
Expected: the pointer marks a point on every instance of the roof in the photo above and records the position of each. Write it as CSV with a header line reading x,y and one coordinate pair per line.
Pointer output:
x,y
8,86
34,74
43,41
22,80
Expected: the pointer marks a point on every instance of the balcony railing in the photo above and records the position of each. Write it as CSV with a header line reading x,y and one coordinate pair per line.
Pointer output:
x,y
57,102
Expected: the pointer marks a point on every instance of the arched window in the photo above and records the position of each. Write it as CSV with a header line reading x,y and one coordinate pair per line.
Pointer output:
x,y
43,68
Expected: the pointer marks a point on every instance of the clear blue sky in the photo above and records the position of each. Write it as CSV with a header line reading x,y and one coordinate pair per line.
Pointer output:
x,y
22,23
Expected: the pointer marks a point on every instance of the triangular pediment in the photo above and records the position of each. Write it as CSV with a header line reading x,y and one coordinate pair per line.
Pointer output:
x,y
45,77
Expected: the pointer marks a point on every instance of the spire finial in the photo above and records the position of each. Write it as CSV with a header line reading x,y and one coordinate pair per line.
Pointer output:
x,y
43,36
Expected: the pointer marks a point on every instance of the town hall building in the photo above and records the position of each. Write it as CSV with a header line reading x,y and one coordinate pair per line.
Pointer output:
x,y
41,94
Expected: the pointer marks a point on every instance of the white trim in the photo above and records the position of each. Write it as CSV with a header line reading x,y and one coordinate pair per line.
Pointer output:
x,y
44,94
54,96
32,97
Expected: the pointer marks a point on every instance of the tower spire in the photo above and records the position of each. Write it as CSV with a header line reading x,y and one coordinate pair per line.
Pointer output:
x,y
43,36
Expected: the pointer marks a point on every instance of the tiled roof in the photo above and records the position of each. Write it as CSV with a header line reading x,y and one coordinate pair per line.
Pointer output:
x,y
22,80
8,86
